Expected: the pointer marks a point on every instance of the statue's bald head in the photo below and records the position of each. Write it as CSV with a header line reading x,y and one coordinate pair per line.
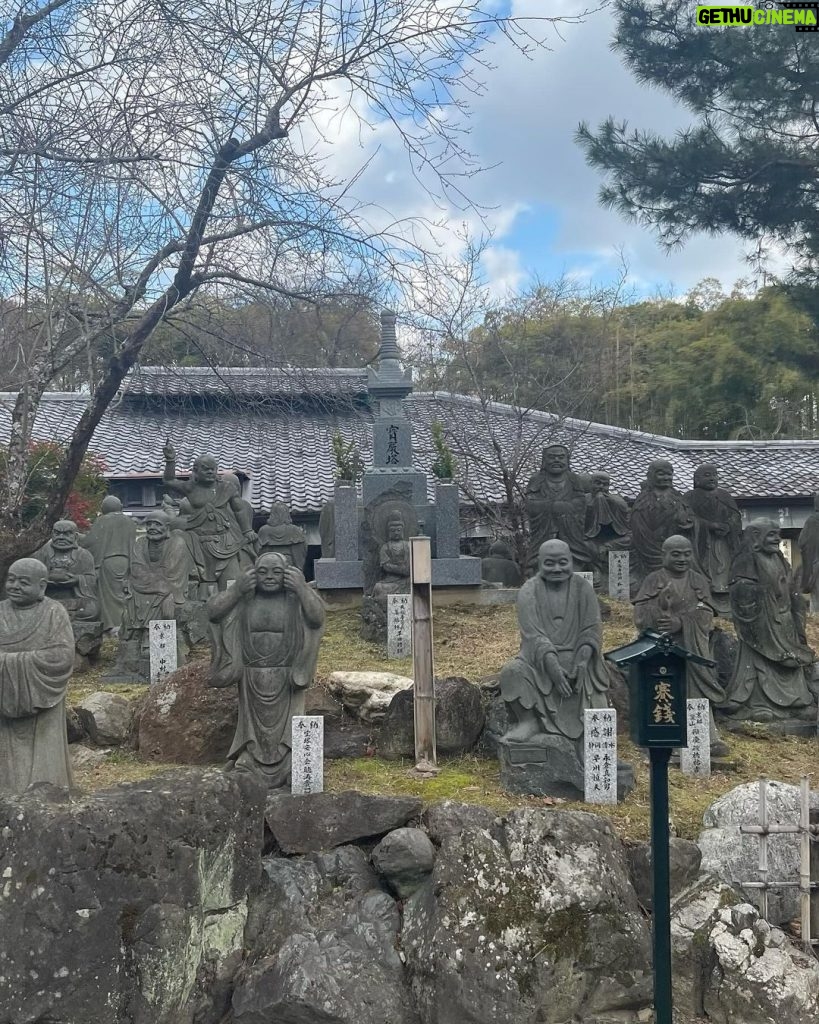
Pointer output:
x,y
678,555
110,503
26,582
554,559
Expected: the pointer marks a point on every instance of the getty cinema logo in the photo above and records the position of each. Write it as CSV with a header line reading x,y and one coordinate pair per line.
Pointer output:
x,y
803,16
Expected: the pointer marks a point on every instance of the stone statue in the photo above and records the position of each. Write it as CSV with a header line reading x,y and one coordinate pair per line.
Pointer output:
x,y
280,534
110,540
266,632
393,561
559,671
717,532
218,515
500,566
676,599
556,506
770,678
658,513
36,659
72,575
809,549
607,523
157,588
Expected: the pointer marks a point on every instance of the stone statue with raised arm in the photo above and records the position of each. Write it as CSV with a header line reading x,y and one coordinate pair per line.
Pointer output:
x,y
266,631
36,659
218,516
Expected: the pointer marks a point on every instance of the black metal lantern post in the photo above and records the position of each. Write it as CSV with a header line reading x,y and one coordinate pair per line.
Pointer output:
x,y
658,690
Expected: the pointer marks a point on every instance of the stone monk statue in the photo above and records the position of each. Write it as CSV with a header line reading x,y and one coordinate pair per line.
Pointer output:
x,y
607,523
717,531
658,513
500,566
222,521
556,506
677,600
393,561
774,662
559,671
110,540
266,631
809,550
280,534
36,660
72,576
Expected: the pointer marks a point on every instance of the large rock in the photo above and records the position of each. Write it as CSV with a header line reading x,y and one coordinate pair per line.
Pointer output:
x,y
684,866
320,821
539,925
322,939
404,859
732,967
185,721
344,735
367,695
459,720
107,718
117,906
449,818
734,857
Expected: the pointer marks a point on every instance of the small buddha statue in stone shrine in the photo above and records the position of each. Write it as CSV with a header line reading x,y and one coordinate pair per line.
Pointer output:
x,y
393,561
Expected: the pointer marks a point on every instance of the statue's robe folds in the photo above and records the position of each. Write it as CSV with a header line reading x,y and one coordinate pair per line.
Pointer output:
x,y
214,522
608,528
80,600
157,588
656,516
717,534
109,541
394,569
286,539
770,677
557,510
36,661
267,645
558,625
809,549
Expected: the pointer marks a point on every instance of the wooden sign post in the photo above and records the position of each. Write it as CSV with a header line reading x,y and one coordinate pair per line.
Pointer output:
x,y
423,670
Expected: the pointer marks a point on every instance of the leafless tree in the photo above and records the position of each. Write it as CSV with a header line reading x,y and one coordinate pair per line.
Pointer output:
x,y
152,151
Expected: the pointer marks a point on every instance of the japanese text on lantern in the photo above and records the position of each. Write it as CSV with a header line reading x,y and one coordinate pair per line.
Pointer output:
x,y
663,710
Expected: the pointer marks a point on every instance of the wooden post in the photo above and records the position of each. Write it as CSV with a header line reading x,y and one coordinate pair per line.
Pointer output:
x,y
423,671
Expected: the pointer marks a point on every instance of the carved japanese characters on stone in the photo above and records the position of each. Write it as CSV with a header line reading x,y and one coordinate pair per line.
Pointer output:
x,y
556,506
110,540
282,535
717,531
266,633
36,659
658,513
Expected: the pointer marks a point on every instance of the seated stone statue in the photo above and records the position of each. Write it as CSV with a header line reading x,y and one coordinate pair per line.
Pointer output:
x,y
281,534
266,630
393,561
677,600
156,588
559,671
500,566
36,659
774,664
110,540
72,575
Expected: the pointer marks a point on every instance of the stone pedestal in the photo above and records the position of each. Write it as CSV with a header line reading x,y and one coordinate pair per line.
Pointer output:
x,y
550,766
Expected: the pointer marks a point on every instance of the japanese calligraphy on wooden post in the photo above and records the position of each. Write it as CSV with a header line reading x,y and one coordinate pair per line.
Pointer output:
x,y
399,626
162,648
695,759
619,569
307,764
600,752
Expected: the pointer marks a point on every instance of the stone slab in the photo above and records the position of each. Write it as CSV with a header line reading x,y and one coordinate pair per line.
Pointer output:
x,y
498,595
376,481
162,647
600,755
399,626
557,771
392,443
695,759
335,574
447,521
346,511
307,763
456,572
619,575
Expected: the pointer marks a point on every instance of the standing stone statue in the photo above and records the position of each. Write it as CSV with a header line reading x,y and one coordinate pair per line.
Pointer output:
x,y
72,575
556,505
607,523
110,540
658,513
676,599
222,521
559,671
36,659
500,566
281,534
266,632
774,662
327,529
717,531
393,561
157,588
809,550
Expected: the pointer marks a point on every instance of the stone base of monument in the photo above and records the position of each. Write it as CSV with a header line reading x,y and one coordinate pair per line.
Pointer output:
x,y
87,643
550,766
777,727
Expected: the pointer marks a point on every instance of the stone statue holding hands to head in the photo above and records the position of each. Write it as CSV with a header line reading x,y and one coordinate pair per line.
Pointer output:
x,y
36,660
266,632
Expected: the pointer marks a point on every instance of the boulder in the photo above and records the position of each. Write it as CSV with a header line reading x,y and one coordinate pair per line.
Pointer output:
x,y
344,735
459,720
404,859
185,721
496,724
116,906
732,967
320,821
367,695
684,864
539,924
106,718
322,941
73,725
85,758
450,818
734,857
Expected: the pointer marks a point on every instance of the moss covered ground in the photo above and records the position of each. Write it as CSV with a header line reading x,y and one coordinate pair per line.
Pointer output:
x,y
474,642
